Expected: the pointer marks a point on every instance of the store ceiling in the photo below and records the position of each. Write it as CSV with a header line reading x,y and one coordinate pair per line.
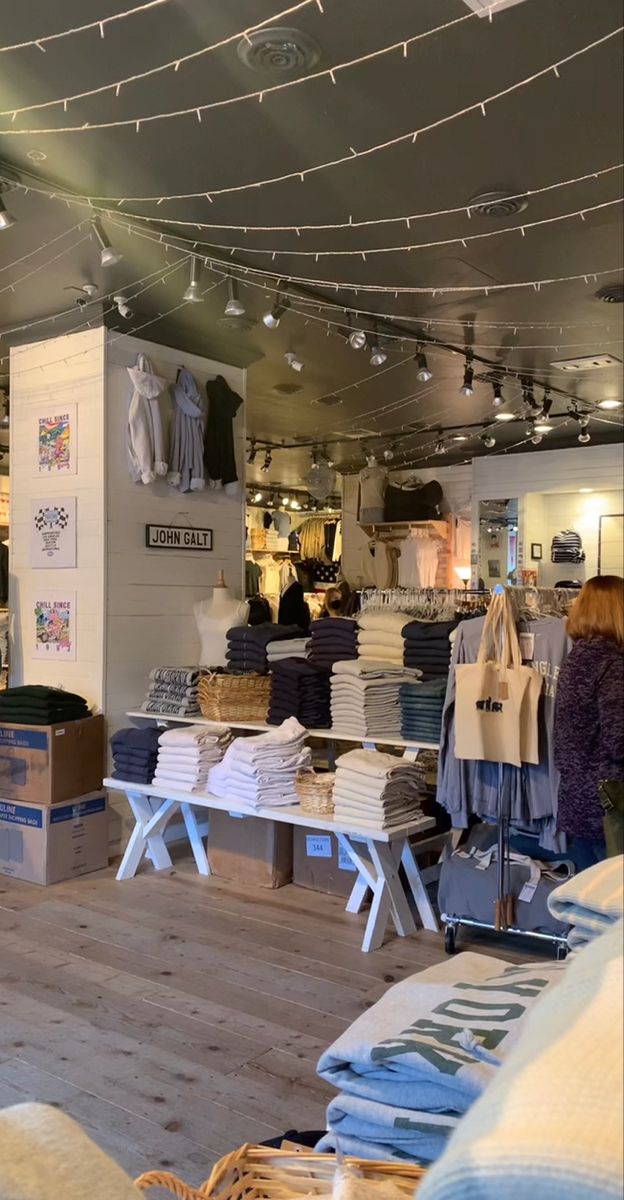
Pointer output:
x,y
553,129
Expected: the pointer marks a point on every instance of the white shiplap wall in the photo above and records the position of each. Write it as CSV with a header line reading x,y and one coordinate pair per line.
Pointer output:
x,y
44,376
150,593
573,510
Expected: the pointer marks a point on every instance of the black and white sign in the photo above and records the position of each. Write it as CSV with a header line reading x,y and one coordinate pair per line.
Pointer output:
x,y
53,533
177,537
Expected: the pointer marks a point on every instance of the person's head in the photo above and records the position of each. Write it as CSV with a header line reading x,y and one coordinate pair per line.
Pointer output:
x,y
598,611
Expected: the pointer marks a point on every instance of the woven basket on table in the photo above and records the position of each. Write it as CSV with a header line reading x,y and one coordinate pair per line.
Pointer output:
x,y
316,792
256,1173
235,697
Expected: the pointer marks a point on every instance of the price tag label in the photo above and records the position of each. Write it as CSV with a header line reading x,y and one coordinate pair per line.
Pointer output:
x,y
527,646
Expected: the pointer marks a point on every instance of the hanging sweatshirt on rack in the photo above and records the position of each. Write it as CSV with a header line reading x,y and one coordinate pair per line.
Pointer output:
x,y
145,442
529,794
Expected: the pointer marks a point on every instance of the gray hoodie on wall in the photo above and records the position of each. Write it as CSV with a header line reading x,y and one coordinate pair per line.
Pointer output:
x,y
529,795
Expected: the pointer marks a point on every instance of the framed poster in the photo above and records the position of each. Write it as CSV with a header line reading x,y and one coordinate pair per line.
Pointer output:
x,y
536,551
54,626
53,533
57,441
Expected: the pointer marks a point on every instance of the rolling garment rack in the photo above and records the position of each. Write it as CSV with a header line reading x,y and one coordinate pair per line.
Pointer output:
x,y
530,601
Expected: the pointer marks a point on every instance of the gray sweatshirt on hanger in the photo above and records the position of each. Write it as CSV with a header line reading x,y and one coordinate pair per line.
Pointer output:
x,y
530,792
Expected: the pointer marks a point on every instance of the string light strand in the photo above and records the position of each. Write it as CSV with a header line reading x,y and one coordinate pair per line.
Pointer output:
x,y
100,24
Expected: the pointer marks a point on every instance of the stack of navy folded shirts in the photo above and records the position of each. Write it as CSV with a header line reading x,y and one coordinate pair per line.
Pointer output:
x,y
334,639
247,646
427,647
135,753
421,710
299,689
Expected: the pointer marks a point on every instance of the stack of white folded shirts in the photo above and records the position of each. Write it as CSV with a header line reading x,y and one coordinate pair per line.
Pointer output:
x,y
377,790
380,635
185,756
260,772
365,696
289,648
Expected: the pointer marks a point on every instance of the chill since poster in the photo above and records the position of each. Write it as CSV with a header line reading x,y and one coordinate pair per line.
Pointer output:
x,y
56,441
54,624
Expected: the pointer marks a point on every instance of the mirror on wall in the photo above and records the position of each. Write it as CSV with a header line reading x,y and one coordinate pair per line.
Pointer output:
x,y
498,542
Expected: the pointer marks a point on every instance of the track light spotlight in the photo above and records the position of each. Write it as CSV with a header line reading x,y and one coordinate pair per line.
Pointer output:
x,y
536,439
498,395
466,388
609,405
543,427
258,496
268,459
108,256
440,448
274,315
123,308
378,356
584,437
293,361
357,338
547,402
388,453
191,295
251,457
234,306
423,373
488,440
6,220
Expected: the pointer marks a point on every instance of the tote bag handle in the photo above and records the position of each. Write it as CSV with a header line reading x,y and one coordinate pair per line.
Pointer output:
x,y
499,640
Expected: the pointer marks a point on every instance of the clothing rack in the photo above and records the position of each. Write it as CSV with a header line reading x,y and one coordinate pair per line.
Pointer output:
x,y
440,603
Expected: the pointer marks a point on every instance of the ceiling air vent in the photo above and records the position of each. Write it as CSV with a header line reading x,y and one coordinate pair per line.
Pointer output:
x,y
279,51
498,204
613,293
591,362
328,401
288,389
482,7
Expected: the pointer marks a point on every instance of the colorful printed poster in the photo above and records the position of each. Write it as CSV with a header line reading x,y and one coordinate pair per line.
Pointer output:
x,y
53,533
56,441
55,626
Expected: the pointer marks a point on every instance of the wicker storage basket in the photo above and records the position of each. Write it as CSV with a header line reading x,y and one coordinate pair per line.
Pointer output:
x,y
234,697
255,1173
316,792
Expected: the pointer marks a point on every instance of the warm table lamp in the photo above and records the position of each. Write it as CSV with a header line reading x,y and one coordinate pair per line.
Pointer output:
x,y
464,574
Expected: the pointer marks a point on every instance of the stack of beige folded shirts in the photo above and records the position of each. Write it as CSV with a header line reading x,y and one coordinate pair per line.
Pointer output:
x,y
377,791
365,697
185,756
380,635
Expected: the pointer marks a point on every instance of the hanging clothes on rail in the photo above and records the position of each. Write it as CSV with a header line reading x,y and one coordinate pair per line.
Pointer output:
x,y
186,455
418,564
219,456
145,438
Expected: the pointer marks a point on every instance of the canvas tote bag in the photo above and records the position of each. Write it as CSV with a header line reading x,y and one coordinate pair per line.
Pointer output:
x,y
496,698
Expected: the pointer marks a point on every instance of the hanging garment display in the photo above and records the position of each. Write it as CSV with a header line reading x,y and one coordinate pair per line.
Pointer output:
x,y
186,456
497,697
413,501
293,609
567,547
253,575
219,456
373,484
418,564
145,441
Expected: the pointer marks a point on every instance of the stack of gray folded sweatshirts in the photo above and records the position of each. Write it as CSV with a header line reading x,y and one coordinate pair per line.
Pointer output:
x,y
247,646
365,697
377,790
287,648
173,690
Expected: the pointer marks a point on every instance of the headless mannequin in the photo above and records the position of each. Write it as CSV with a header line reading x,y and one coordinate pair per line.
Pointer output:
x,y
214,617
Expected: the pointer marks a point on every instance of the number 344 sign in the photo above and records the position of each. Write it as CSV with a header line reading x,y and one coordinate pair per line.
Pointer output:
x,y
177,537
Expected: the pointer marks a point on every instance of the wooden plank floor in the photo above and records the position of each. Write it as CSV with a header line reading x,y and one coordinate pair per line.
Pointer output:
x,y
176,1017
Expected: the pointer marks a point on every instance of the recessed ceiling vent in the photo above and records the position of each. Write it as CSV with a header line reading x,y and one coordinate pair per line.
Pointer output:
x,y
498,204
288,389
591,362
613,293
328,401
279,51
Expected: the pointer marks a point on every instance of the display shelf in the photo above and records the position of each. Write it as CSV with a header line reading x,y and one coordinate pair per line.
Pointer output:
x,y
334,735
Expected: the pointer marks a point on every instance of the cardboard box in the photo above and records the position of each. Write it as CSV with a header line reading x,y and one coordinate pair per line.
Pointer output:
x,y
250,850
320,863
45,843
47,764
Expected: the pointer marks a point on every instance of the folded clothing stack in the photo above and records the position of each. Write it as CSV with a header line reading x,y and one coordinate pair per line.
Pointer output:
x,y
365,697
428,647
248,645
421,710
381,635
287,648
135,752
299,689
185,756
260,772
173,690
35,704
377,790
333,639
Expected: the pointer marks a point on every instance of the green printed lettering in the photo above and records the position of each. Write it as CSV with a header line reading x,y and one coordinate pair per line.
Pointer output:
x,y
494,1012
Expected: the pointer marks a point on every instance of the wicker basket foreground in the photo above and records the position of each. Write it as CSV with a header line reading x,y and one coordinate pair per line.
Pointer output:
x,y
316,792
234,697
255,1173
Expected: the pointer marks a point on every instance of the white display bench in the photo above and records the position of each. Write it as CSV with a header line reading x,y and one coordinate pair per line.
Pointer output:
x,y
376,854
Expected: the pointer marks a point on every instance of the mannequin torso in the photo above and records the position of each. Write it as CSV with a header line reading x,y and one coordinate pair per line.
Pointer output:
x,y
214,617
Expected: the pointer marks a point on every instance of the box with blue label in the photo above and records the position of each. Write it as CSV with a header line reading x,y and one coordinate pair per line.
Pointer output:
x,y
320,862
46,764
46,843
